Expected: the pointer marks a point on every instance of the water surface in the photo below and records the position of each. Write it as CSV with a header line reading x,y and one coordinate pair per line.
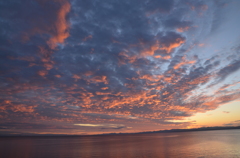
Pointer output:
x,y
200,144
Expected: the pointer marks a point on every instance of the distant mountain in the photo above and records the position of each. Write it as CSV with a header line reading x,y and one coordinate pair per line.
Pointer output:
x,y
180,130
147,132
195,129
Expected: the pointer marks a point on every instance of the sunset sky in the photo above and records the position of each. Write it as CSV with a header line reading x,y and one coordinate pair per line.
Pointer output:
x,y
111,66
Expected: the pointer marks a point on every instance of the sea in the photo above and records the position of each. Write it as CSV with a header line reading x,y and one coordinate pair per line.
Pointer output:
x,y
197,144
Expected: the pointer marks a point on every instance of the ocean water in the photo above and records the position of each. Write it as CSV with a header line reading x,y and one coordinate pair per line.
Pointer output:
x,y
200,144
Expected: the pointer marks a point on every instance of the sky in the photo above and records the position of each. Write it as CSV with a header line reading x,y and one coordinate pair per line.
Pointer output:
x,y
113,66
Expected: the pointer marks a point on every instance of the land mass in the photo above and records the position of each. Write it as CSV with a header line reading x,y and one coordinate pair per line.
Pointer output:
x,y
146,132
194,129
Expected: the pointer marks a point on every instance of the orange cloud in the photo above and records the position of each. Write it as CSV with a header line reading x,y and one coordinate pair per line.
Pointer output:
x,y
61,26
169,48
42,73
48,66
58,76
88,73
182,29
102,93
129,57
7,101
104,88
99,79
90,79
151,50
228,86
87,38
184,62
201,44
160,46
125,57
163,57
22,108
76,77
200,80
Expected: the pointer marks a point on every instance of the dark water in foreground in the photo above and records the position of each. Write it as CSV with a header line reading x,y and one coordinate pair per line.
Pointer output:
x,y
201,144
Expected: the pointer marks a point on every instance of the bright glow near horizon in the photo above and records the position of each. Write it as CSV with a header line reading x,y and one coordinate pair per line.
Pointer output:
x,y
225,115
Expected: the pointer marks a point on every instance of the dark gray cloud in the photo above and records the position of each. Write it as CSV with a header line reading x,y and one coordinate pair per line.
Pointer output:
x,y
17,125
229,69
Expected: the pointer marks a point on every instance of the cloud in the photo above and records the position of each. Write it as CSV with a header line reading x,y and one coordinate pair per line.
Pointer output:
x,y
90,63
164,6
61,26
17,125
226,112
103,126
229,69
233,123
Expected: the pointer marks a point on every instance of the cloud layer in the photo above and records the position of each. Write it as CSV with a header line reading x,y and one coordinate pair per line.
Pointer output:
x,y
115,64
